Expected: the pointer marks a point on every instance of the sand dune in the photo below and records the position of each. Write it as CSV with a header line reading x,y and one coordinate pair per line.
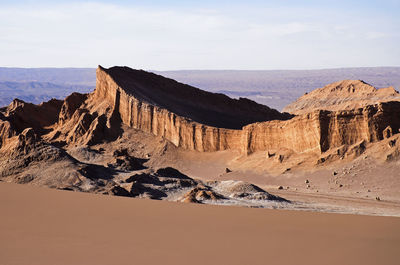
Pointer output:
x,y
45,226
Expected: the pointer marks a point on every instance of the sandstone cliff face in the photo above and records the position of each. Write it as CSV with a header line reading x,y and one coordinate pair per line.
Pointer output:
x,y
300,134
138,102
342,95
181,131
211,109
317,131
368,123
322,130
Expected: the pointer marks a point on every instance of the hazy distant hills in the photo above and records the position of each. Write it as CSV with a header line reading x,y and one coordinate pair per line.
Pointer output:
x,y
37,91
41,84
275,88
83,76
278,88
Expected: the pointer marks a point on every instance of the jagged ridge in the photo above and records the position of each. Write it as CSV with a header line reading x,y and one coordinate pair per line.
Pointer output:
x,y
212,109
142,101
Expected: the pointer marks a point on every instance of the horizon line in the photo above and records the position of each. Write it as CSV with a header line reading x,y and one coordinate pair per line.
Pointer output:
x,y
211,69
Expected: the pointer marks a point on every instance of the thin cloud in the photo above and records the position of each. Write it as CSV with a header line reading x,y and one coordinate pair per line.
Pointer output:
x,y
87,34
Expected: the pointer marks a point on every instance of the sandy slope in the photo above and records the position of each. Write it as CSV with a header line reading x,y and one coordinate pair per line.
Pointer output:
x,y
44,226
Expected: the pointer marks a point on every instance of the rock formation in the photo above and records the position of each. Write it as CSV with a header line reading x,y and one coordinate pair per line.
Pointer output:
x,y
196,120
186,116
321,130
137,129
202,121
342,95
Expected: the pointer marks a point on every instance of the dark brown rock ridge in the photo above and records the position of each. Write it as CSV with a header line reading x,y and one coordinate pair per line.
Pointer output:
x,y
212,109
175,111
145,104
184,115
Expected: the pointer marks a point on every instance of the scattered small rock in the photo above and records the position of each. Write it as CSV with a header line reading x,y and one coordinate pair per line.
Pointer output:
x,y
308,186
341,185
227,170
334,173
377,198
307,181
280,188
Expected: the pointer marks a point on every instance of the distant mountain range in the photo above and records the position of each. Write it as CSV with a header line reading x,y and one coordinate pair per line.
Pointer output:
x,y
275,88
41,84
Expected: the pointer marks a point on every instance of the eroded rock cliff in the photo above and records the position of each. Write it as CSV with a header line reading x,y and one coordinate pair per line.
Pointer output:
x,y
196,120
322,130
184,115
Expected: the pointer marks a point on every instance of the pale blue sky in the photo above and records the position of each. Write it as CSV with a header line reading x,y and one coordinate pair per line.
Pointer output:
x,y
169,35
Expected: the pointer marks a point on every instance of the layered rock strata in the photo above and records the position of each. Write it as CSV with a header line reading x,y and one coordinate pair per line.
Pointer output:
x,y
315,131
142,112
191,118
322,130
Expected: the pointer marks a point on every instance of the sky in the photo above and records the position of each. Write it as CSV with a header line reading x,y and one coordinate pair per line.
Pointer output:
x,y
177,35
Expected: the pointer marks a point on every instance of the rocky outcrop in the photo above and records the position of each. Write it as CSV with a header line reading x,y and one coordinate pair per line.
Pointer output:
x,y
243,190
70,105
200,194
322,130
300,134
6,130
351,126
182,114
197,120
120,85
24,115
342,95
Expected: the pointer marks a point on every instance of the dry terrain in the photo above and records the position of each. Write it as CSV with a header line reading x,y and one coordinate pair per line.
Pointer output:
x,y
142,170
43,226
142,135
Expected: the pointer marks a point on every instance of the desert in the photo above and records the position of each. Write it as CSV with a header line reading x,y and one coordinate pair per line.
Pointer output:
x,y
48,226
192,132
139,134
145,158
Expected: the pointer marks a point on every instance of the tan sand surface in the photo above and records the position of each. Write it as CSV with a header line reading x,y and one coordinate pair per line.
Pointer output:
x,y
47,226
